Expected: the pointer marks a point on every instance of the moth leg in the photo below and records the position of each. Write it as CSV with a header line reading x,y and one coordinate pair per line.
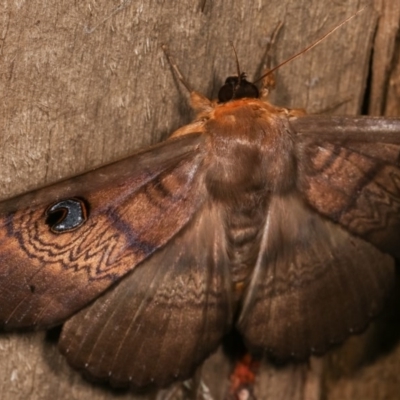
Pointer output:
x,y
176,69
296,112
171,393
191,389
196,388
198,102
268,82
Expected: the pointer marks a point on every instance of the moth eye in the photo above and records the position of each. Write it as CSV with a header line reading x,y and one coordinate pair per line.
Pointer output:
x,y
66,215
227,91
247,89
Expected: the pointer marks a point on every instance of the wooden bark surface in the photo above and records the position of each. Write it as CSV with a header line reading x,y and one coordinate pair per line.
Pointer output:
x,y
86,83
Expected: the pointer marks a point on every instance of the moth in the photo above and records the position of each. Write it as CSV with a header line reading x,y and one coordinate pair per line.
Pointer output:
x,y
253,216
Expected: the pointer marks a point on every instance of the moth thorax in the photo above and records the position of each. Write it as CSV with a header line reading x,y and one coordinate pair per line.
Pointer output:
x,y
257,155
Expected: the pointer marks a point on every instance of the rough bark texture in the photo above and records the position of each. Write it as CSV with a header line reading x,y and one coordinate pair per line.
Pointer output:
x,y
86,83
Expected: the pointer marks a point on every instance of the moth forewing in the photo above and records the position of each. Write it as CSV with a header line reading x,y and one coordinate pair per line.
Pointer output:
x,y
47,275
339,129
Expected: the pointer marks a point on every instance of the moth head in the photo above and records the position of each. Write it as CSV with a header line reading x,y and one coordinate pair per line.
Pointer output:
x,y
237,87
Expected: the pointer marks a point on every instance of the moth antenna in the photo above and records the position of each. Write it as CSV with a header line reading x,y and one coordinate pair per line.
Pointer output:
x,y
310,46
174,66
237,63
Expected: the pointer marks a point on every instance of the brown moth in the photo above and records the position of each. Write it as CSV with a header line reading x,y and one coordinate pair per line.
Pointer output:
x,y
283,225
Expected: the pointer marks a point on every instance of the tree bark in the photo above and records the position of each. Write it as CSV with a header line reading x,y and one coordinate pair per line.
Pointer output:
x,y
86,83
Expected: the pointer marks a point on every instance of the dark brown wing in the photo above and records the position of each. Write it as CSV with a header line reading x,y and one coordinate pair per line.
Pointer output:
x,y
133,208
349,171
162,320
314,283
